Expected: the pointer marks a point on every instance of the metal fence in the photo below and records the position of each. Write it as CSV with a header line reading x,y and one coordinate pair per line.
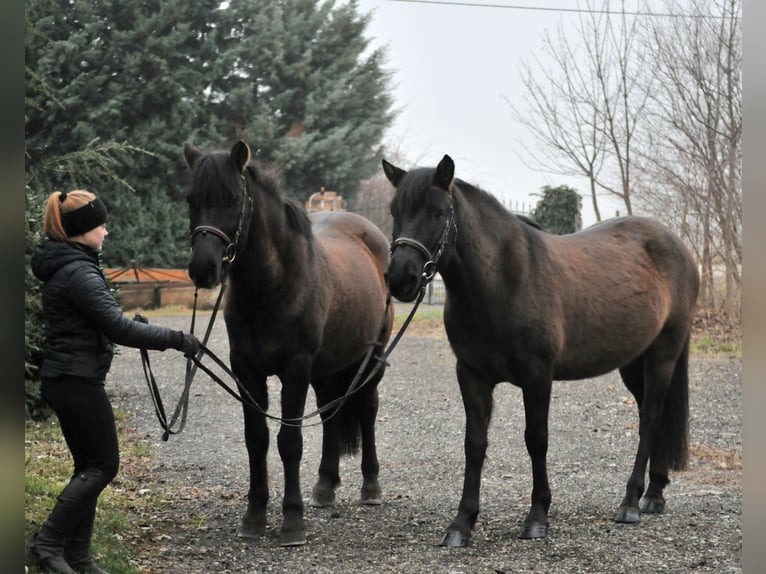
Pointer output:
x,y
435,291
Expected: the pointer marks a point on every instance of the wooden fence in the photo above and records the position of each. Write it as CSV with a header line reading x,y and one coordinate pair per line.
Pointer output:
x,y
150,288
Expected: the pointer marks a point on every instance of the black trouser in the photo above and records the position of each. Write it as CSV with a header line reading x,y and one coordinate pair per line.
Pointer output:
x,y
87,423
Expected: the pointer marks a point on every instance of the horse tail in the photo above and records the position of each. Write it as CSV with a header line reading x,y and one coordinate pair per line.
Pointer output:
x,y
360,409
674,424
350,431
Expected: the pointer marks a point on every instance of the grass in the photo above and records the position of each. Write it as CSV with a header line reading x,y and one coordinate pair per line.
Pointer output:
x,y
119,541
711,345
424,313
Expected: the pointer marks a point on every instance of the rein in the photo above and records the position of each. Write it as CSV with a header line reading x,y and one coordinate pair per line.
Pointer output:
x,y
355,386
195,362
244,396
183,402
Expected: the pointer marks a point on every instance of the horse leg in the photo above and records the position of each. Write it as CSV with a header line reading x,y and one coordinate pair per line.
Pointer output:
x,y
323,493
657,372
290,444
477,402
257,441
371,493
670,447
537,397
653,501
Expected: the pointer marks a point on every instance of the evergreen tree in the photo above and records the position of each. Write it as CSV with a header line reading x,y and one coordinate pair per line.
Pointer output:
x,y
301,86
122,72
559,210
292,77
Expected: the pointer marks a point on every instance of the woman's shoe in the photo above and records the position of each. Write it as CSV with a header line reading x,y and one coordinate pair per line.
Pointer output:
x,y
47,559
87,567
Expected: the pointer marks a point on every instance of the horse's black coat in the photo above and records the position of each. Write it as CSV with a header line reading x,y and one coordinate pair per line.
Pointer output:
x,y
529,307
306,297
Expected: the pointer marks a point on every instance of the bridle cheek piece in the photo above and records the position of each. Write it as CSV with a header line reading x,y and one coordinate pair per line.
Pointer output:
x,y
429,267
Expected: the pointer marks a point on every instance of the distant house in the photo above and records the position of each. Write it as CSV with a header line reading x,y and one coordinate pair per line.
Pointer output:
x,y
324,201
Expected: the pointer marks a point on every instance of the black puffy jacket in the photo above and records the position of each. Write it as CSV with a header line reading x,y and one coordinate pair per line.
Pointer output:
x,y
82,318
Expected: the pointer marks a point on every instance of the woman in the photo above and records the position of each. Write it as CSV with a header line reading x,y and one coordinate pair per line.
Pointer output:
x,y
83,321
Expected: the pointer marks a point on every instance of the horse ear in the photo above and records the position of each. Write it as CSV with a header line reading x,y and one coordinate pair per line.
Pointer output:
x,y
393,173
445,172
241,154
191,154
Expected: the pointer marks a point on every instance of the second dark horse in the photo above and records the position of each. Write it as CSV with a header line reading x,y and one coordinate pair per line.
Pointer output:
x,y
530,307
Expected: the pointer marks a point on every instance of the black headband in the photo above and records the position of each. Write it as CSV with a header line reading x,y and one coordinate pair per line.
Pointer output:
x,y
85,218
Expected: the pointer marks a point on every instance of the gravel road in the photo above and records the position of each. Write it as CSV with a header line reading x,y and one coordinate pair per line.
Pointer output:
x,y
593,436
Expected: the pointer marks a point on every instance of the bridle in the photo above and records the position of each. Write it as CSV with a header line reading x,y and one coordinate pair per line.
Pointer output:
x,y
230,254
245,209
429,267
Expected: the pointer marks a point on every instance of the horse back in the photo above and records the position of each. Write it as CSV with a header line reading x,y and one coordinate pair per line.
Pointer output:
x,y
584,303
351,229
354,257
623,282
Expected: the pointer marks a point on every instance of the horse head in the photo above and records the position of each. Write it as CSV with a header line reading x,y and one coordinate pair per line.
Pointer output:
x,y
423,218
219,207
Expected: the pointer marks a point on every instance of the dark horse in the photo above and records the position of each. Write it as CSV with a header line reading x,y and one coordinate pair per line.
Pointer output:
x,y
529,307
306,298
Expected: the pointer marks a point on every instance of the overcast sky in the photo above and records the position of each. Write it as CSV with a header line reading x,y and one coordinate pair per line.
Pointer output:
x,y
454,68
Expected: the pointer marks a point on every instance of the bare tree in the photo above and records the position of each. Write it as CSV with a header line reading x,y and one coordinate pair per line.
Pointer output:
x,y
584,113
374,202
375,194
694,150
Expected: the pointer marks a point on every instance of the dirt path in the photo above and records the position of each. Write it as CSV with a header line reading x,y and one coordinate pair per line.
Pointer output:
x,y
593,435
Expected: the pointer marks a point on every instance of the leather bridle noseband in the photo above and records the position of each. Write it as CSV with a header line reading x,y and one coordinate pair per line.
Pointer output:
x,y
429,267
246,206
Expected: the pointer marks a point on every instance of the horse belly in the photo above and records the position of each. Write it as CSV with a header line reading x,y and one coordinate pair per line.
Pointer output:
x,y
594,352
353,321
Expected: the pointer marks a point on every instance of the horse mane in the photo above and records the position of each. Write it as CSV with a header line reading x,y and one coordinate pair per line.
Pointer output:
x,y
530,221
267,178
475,193
418,181
214,175
221,183
415,185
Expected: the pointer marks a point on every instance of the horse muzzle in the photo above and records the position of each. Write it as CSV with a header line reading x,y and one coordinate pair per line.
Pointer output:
x,y
404,277
205,272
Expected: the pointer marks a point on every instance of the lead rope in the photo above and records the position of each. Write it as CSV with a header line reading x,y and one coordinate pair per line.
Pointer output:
x,y
244,396
355,386
182,407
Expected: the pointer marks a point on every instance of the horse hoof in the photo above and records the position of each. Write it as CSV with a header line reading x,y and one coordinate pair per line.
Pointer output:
x,y
372,496
627,515
251,529
455,539
653,505
292,537
322,497
533,531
